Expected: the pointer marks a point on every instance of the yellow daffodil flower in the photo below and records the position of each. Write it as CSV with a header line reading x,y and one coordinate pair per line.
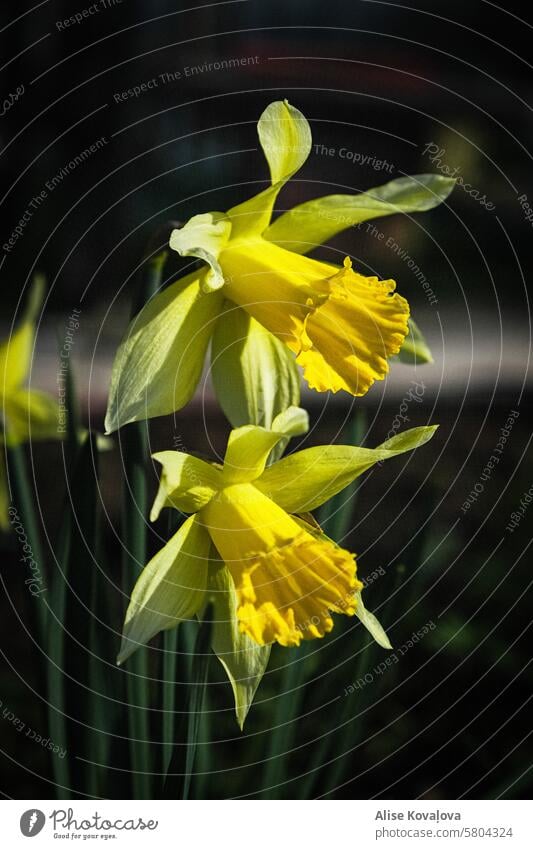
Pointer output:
x,y
263,302
27,414
249,550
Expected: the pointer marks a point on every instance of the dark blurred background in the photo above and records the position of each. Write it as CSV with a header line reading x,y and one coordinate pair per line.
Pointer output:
x,y
391,86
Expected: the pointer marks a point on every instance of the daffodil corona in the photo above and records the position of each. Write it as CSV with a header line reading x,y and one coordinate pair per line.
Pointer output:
x,y
250,549
257,289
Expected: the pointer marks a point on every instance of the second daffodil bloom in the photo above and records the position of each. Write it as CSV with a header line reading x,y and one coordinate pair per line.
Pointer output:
x,y
256,283
252,551
26,414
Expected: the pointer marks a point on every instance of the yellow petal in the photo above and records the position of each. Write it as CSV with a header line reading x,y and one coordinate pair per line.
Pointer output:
x,y
160,359
313,223
247,453
276,287
264,376
304,480
204,236
187,483
170,589
285,137
352,335
245,662
287,581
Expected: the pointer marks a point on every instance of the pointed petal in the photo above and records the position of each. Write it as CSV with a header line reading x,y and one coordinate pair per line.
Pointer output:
x,y
171,587
414,350
306,479
204,236
243,659
315,222
247,452
294,421
264,376
187,483
285,137
372,624
159,363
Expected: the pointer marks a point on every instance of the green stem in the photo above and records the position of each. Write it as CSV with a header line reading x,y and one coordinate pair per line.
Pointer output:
x,y
170,662
134,513
23,502
180,772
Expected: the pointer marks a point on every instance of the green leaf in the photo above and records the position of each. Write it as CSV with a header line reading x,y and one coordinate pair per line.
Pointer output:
x,y
170,589
179,775
254,374
306,479
159,363
415,350
310,224
244,660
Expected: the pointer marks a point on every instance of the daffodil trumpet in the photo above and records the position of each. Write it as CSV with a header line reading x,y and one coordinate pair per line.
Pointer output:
x,y
249,549
264,305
